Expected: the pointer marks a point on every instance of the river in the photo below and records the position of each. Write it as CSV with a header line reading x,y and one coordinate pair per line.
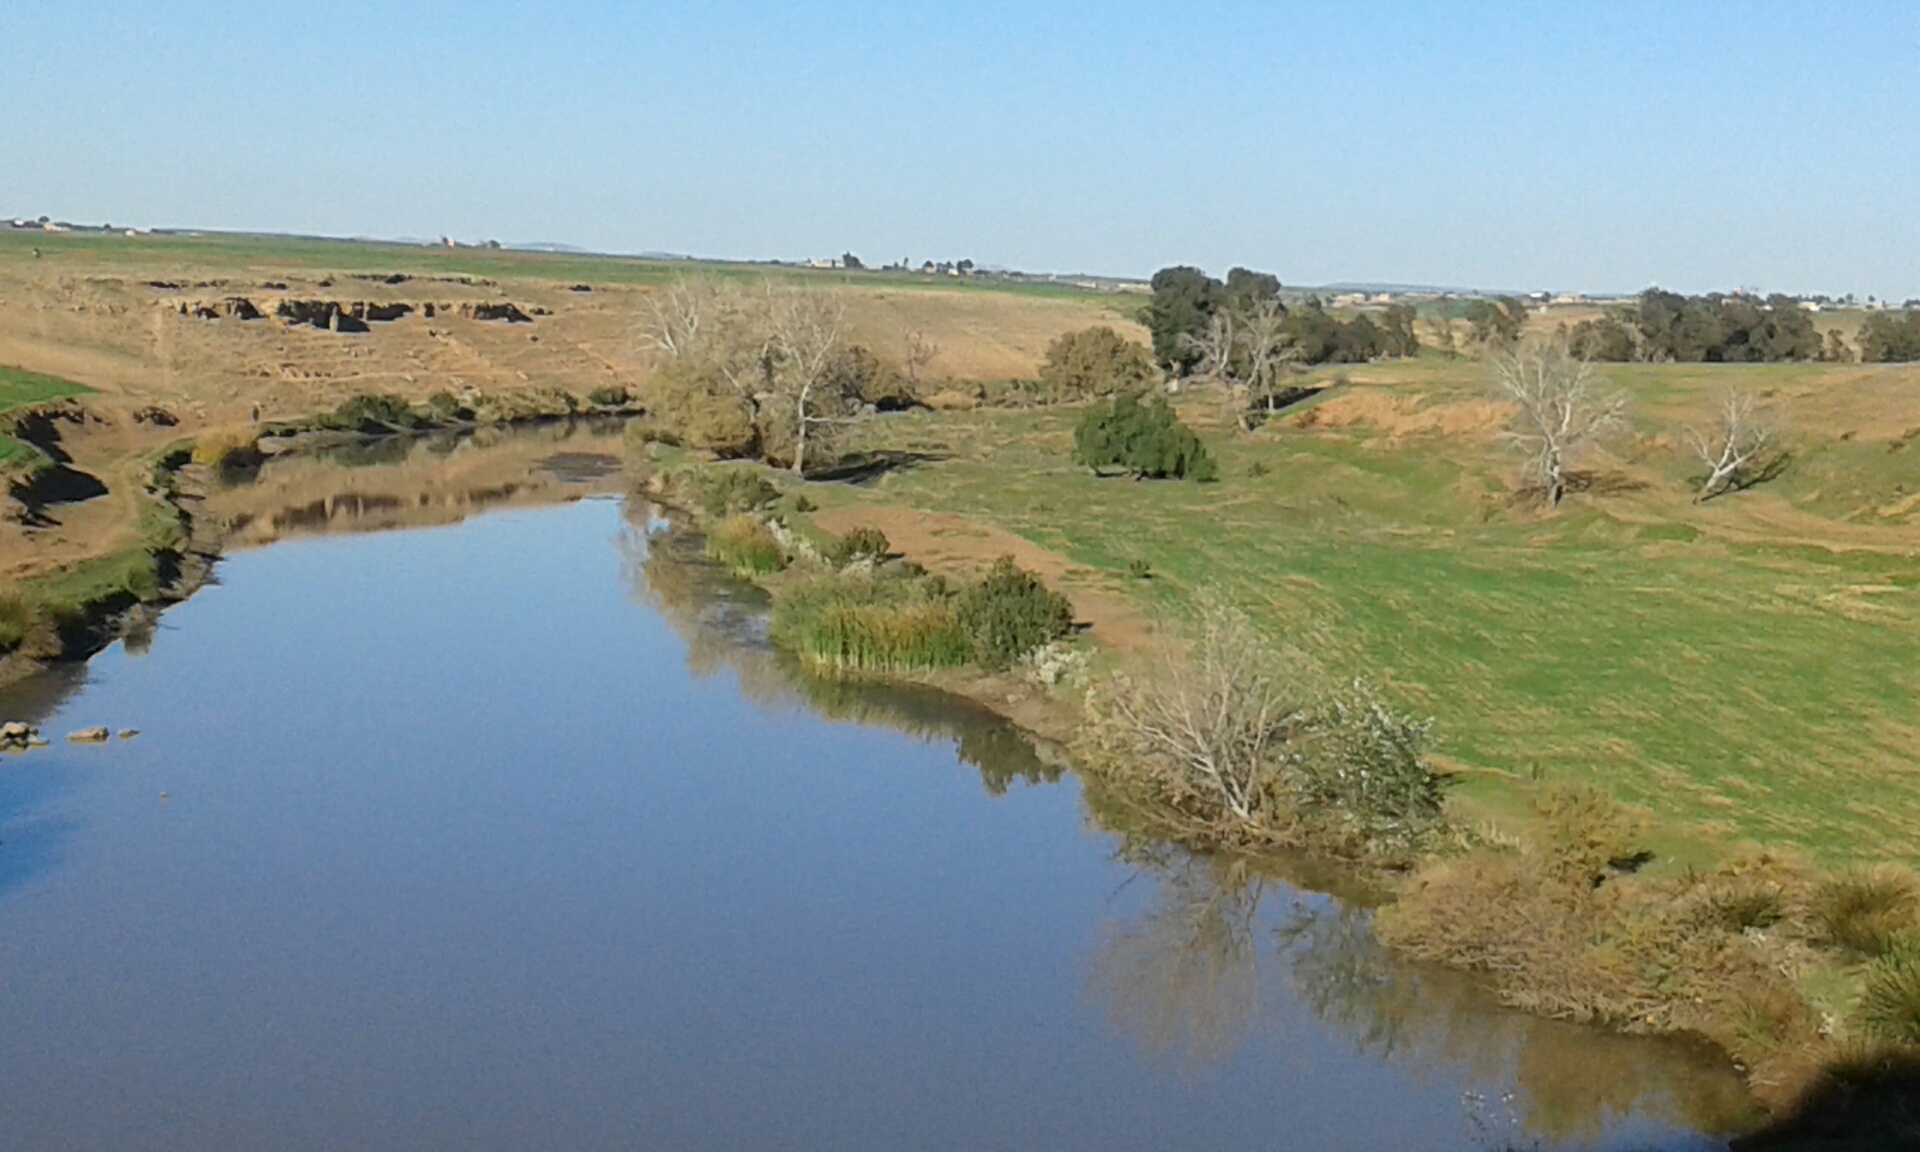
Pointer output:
x,y
498,827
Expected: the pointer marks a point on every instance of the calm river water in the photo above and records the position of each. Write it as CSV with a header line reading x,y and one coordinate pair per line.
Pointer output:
x,y
510,834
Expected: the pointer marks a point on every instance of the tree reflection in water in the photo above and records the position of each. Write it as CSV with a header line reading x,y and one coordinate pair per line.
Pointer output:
x,y
1183,979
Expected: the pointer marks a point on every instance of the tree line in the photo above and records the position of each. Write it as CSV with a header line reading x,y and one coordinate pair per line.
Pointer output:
x,y
1660,326
1202,325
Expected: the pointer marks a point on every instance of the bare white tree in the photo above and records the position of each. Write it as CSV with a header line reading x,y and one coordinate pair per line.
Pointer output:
x,y
1738,437
1266,349
806,329
672,319
1224,719
919,353
1215,346
1559,408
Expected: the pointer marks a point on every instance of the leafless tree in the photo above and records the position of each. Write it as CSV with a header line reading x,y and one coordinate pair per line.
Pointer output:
x,y
919,353
1440,334
1266,349
806,328
1559,409
1222,721
672,319
1738,437
1215,346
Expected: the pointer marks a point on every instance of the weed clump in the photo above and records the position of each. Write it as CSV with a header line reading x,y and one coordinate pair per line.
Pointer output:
x,y
1890,995
1009,614
862,543
609,397
1866,911
745,546
226,448
17,619
373,414
732,491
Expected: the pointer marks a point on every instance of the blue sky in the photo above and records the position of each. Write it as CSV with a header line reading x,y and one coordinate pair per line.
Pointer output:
x,y
1589,146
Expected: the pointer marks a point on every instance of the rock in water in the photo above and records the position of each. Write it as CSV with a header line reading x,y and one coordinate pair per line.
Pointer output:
x,y
129,733
88,736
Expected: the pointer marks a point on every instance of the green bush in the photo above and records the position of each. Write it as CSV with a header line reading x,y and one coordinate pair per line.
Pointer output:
x,y
1142,440
445,408
613,397
374,413
860,624
1009,614
1369,770
1095,362
16,620
745,545
730,491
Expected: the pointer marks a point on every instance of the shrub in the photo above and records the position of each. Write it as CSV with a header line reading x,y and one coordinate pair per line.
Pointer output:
x,y
445,408
729,491
694,404
861,624
862,543
613,397
226,447
1584,832
1009,614
1144,440
1368,771
1139,570
373,414
858,372
16,620
1866,910
1890,996
1095,362
744,545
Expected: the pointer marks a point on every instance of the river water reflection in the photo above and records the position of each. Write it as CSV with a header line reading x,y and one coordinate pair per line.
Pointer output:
x,y
510,833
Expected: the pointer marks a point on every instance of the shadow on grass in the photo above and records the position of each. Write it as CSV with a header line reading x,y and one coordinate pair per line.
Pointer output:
x,y
864,468
1869,1105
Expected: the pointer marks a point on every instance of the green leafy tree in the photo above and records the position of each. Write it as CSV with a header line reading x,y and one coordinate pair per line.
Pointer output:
x,y
1184,301
1890,337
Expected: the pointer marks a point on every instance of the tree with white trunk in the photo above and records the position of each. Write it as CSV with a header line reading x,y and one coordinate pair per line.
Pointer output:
x,y
1732,445
1559,409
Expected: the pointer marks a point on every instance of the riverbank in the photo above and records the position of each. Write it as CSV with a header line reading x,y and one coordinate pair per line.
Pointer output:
x,y
1780,994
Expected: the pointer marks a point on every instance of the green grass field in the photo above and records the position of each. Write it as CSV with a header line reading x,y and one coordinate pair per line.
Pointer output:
x,y
1763,691
213,251
18,388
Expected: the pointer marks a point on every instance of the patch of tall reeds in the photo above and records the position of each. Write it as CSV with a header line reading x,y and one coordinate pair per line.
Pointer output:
x,y
746,546
873,625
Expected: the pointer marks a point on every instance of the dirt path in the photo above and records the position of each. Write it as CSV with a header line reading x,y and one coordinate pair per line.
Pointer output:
x,y
963,548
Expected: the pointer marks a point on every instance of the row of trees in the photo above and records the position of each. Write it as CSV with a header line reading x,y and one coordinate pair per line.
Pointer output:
x,y
1239,329
1891,337
1663,326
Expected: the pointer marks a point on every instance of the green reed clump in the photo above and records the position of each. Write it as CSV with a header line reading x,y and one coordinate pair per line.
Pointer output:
x,y
861,543
746,546
1890,995
870,624
16,620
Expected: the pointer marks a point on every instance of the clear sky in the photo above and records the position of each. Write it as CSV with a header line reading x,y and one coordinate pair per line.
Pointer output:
x,y
1594,146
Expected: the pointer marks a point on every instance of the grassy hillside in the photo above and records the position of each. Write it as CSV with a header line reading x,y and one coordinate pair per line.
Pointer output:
x,y
18,388
1743,668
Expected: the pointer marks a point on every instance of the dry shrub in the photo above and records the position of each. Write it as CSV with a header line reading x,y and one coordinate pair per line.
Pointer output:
x,y
226,447
1562,934
1865,911
694,405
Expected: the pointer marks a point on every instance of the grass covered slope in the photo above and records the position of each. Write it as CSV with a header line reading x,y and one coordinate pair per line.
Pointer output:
x,y
19,388
1742,668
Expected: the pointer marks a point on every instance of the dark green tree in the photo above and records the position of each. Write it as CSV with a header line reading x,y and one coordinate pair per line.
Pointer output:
x,y
1184,300
1145,440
